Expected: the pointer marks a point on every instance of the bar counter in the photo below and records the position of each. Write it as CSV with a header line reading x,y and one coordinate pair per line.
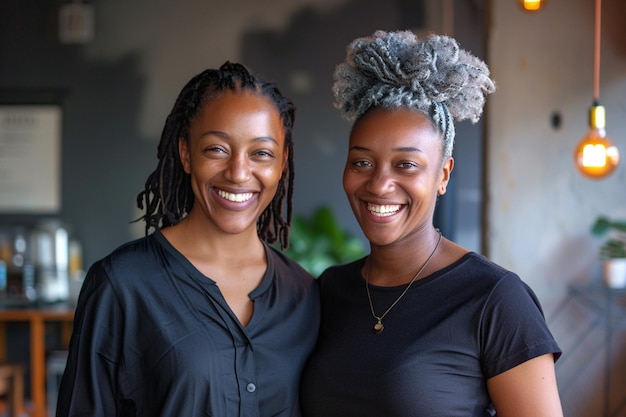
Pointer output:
x,y
36,317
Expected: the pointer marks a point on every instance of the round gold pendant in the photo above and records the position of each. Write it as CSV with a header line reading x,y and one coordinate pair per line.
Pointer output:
x,y
378,327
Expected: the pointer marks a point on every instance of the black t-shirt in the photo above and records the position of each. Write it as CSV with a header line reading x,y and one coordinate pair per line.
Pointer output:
x,y
449,333
154,337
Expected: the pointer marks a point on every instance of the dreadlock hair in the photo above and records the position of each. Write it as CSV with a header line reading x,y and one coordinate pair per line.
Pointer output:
x,y
168,196
395,69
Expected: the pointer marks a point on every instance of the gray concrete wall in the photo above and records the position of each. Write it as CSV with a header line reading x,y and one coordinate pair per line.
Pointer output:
x,y
540,209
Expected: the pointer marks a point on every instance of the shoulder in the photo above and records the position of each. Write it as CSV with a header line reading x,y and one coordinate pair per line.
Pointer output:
x,y
498,274
343,269
285,266
132,259
478,270
136,253
476,264
342,274
107,279
477,276
130,250
498,285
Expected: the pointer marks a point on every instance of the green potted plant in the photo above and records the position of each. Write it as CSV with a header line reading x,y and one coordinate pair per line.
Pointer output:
x,y
319,241
613,250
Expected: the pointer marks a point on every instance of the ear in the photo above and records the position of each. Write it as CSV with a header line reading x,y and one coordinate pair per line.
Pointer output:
x,y
446,170
183,152
285,159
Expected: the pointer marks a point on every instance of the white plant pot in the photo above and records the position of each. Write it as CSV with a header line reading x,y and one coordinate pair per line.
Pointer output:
x,y
614,271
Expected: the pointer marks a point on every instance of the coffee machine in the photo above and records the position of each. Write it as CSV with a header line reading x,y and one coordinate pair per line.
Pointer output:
x,y
35,264
51,244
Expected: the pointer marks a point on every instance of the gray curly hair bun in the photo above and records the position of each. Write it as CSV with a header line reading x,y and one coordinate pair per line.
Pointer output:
x,y
431,75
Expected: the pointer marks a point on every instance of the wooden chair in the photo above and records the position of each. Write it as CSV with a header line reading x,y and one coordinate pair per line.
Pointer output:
x,y
12,387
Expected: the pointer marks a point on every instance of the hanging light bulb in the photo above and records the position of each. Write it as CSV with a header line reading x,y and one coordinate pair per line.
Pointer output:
x,y
532,5
596,156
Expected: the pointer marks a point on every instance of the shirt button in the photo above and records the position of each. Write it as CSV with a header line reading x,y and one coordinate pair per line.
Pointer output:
x,y
251,387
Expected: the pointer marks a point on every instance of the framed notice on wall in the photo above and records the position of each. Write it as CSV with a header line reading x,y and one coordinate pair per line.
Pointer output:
x,y
30,158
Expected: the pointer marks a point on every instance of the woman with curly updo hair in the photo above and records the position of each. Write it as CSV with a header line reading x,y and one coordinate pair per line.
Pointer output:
x,y
202,317
420,327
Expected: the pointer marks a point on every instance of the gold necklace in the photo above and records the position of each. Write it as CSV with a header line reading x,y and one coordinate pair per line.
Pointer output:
x,y
378,326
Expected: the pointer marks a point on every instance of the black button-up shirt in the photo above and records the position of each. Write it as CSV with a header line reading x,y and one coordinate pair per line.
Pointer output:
x,y
154,337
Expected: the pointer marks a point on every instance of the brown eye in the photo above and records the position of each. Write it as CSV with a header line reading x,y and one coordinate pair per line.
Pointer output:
x,y
215,149
362,164
264,154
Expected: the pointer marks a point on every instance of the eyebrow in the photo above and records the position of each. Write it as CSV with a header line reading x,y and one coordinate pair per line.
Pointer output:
x,y
400,149
225,135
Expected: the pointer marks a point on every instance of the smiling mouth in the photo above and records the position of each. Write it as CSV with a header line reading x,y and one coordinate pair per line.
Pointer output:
x,y
236,198
383,210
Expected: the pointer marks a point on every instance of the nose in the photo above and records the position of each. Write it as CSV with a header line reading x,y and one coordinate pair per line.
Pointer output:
x,y
380,183
238,169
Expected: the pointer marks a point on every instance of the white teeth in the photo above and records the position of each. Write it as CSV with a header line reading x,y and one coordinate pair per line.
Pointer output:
x,y
383,211
238,198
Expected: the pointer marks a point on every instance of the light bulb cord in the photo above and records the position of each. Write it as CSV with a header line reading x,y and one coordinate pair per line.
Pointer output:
x,y
596,54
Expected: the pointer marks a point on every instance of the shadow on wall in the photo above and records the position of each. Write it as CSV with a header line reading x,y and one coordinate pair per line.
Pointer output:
x,y
107,160
615,23
301,60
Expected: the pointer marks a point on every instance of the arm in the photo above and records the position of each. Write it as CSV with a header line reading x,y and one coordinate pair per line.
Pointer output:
x,y
528,389
88,383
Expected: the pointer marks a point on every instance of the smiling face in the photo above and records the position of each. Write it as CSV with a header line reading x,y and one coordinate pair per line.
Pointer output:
x,y
235,155
393,174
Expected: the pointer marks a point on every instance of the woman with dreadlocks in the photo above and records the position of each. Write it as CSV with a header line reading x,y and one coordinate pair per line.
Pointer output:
x,y
420,327
202,317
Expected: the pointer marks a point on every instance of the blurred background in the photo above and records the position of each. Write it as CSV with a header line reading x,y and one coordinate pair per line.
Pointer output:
x,y
516,195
